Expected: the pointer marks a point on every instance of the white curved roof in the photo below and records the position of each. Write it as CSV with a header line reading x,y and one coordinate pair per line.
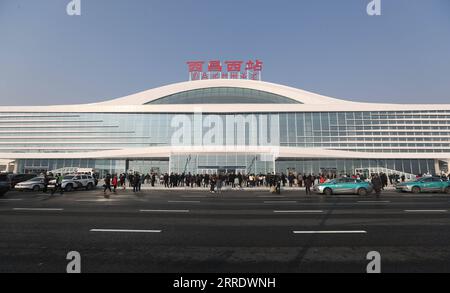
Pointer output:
x,y
309,102
144,97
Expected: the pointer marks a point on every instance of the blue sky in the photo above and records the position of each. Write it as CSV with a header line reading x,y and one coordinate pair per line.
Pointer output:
x,y
119,47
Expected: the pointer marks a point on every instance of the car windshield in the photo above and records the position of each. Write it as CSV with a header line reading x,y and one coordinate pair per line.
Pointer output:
x,y
3,178
68,177
35,179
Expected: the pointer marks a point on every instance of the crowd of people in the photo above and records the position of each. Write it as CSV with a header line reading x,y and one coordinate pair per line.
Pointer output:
x,y
216,182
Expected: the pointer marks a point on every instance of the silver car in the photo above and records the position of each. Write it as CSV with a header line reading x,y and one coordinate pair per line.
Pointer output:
x,y
34,184
74,181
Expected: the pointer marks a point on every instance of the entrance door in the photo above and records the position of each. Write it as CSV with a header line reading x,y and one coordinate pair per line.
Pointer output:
x,y
330,172
207,171
242,171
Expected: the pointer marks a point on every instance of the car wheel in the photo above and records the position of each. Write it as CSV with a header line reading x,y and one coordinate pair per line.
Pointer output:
x,y
89,186
415,189
68,188
327,191
362,192
447,190
36,188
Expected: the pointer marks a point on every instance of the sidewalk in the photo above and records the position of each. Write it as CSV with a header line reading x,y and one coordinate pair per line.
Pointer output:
x,y
225,188
264,192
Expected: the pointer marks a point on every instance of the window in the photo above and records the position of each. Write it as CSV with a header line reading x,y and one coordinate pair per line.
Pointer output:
x,y
224,95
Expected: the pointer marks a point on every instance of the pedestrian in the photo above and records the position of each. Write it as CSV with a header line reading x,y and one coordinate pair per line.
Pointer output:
x,y
240,179
122,181
107,185
114,183
142,181
136,183
46,181
219,183
308,184
58,184
213,183
377,184
153,179
384,180
278,186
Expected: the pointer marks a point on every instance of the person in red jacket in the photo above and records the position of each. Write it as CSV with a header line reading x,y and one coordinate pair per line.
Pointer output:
x,y
114,183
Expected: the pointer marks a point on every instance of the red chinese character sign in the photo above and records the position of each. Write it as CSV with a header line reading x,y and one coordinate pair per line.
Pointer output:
x,y
226,70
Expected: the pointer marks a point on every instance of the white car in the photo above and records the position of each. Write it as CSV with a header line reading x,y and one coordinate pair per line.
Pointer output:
x,y
71,182
34,184
85,181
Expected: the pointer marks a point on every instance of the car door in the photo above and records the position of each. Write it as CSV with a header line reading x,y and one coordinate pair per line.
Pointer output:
x,y
437,184
339,187
349,185
84,180
427,184
77,181
41,182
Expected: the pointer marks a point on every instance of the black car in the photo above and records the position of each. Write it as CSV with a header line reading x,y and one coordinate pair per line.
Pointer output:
x,y
17,178
9,180
5,184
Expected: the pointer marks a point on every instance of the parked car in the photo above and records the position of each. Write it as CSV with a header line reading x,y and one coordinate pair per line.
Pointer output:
x,y
425,184
18,178
344,185
34,184
75,181
85,181
5,184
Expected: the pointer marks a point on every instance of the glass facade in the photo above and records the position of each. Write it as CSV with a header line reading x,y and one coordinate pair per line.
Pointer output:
x,y
224,95
377,132
409,167
380,132
224,162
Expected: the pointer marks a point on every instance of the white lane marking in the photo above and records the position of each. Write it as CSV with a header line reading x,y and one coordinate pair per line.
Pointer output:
x,y
125,231
96,200
280,201
331,232
300,211
184,201
165,211
425,211
373,201
11,199
37,209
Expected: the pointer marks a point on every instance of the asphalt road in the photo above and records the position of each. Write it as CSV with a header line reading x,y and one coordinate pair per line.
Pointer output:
x,y
236,231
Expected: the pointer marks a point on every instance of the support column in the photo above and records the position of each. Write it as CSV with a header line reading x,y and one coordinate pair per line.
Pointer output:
x,y
16,166
437,168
